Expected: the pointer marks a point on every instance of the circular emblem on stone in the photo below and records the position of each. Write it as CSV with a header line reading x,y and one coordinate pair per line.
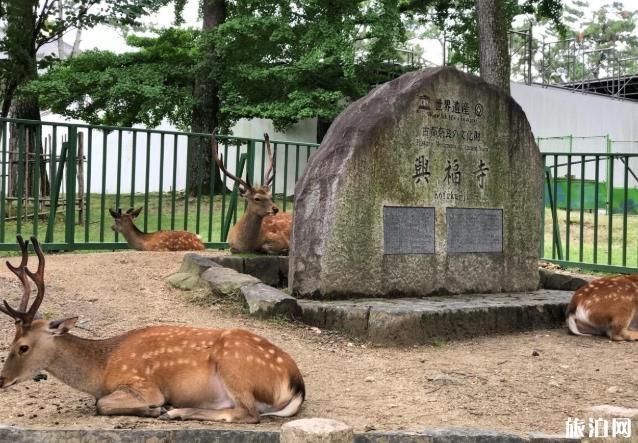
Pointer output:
x,y
478,109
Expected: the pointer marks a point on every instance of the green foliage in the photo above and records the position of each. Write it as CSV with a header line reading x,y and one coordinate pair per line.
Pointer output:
x,y
284,61
145,86
458,22
29,24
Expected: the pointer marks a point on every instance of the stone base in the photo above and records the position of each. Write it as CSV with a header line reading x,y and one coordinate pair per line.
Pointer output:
x,y
410,321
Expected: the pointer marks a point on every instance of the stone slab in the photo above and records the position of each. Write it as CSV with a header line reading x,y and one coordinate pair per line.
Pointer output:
x,y
270,269
226,281
266,302
408,230
316,430
472,230
26,435
407,321
562,281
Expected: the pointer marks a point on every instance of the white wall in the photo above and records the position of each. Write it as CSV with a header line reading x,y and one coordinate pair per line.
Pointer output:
x,y
303,132
590,119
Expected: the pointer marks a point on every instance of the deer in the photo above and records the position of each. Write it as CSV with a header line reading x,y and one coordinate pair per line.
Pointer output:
x,y
153,241
606,306
261,228
165,372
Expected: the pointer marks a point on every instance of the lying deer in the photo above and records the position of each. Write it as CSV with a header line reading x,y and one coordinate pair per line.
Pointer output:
x,y
261,228
606,306
153,241
207,374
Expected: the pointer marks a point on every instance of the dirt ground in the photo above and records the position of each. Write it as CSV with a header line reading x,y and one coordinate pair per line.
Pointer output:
x,y
489,382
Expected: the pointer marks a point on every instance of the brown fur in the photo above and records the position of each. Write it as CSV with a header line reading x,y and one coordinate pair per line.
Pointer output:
x,y
610,305
261,228
153,241
213,374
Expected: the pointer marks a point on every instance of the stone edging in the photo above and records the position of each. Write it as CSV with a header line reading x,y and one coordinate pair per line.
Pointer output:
x,y
437,435
261,300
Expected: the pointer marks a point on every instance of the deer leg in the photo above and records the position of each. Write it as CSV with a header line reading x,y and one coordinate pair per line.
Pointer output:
x,y
620,331
143,401
234,415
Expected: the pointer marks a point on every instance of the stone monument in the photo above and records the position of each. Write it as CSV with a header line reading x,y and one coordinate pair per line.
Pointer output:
x,y
431,184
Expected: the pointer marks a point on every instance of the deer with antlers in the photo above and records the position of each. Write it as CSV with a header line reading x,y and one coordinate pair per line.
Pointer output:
x,y
153,241
606,306
261,228
228,375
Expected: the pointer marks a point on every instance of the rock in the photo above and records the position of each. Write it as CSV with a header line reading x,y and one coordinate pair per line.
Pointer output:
x,y
226,281
535,353
184,280
561,281
235,262
265,301
410,194
612,390
316,430
369,379
265,268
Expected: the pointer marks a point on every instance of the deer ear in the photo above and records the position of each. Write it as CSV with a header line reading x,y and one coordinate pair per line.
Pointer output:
x,y
114,214
60,327
136,212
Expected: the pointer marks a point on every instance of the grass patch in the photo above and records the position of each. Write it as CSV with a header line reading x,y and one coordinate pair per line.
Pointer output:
x,y
617,246
165,211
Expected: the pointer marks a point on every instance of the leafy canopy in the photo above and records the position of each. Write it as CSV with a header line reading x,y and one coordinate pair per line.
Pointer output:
x,y
274,59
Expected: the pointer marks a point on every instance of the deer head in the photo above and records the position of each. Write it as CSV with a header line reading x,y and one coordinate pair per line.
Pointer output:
x,y
259,199
124,222
33,345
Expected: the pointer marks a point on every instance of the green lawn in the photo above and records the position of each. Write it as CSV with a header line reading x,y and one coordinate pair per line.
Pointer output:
x,y
199,217
588,238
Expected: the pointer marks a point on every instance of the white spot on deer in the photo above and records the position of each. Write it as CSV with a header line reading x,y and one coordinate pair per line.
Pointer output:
x,y
257,339
280,360
147,371
124,367
261,362
133,355
271,350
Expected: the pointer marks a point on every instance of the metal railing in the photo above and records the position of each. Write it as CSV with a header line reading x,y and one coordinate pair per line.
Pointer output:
x,y
590,215
58,181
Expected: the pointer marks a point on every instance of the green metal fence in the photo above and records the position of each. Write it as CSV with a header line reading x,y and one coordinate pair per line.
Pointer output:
x,y
60,179
590,215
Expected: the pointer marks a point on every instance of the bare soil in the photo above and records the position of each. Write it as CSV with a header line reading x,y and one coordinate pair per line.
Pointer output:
x,y
491,382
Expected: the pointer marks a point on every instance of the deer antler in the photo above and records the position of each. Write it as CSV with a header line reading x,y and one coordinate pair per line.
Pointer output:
x,y
269,172
220,163
22,272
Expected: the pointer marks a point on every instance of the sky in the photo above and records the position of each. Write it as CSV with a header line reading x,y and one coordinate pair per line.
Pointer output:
x,y
105,38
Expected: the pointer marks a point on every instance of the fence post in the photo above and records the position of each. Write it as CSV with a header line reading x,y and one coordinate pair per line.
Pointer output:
x,y
71,182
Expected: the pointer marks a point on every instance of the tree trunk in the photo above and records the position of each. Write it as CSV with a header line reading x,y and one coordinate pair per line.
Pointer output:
x,y
493,50
21,52
322,128
205,111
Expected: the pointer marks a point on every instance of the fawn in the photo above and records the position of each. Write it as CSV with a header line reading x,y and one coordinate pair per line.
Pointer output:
x,y
262,228
153,241
228,375
606,306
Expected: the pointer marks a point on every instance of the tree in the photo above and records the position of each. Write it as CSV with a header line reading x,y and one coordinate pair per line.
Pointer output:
x,y
458,21
275,59
30,24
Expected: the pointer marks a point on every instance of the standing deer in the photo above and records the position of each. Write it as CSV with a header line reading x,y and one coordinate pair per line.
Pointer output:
x,y
606,306
153,241
261,228
228,375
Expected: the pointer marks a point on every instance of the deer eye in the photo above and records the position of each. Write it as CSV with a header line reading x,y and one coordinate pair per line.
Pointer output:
x,y
257,199
23,349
